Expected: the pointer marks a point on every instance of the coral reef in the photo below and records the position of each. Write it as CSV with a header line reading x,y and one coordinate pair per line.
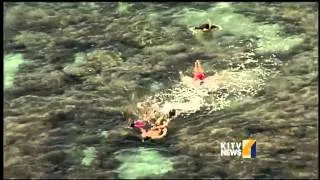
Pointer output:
x,y
89,156
11,65
143,162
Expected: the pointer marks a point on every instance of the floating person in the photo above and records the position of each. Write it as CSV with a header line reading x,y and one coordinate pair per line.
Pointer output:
x,y
156,132
206,27
139,124
201,80
198,71
198,74
146,129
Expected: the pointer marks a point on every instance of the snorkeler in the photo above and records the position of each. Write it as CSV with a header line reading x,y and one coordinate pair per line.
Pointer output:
x,y
207,28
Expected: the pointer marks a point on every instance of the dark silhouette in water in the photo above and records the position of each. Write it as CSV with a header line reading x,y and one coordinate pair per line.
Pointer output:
x,y
172,113
207,28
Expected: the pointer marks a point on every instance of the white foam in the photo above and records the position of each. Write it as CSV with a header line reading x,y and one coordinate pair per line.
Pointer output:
x,y
216,93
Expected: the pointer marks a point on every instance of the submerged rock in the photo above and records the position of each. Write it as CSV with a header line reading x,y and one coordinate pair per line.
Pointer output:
x,y
118,134
92,63
54,157
31,39
89,156
104,134
89,140
11,65
142,162
168,48
107,59
123,7
75,71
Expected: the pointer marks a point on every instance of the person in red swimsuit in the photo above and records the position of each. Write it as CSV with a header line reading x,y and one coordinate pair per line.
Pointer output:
x,y
198,72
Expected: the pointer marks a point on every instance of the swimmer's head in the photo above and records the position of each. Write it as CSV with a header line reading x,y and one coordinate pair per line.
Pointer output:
x,y
172,113
132,124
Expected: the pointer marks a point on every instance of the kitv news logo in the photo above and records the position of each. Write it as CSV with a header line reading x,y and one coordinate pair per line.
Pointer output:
x,y
246,148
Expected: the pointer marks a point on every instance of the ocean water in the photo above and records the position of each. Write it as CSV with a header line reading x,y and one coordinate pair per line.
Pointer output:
x,y
72,70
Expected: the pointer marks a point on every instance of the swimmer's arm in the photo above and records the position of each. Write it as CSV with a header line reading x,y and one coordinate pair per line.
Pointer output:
x,y
197,67
159,119
165,125
197,63
217,26
161,126
165,130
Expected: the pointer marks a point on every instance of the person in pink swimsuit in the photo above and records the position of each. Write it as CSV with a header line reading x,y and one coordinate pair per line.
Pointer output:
x,y
198,72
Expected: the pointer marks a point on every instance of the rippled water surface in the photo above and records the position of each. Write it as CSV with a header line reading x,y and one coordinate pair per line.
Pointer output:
x,y
72,69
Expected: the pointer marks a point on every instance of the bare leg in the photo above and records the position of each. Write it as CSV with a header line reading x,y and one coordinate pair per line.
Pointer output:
x,y
197,67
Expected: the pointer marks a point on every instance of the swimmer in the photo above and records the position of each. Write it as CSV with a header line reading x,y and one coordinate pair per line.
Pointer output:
x,y
139,125
207,28
147,111
153,124
156,132
198,78
198,72
147,130
172,113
